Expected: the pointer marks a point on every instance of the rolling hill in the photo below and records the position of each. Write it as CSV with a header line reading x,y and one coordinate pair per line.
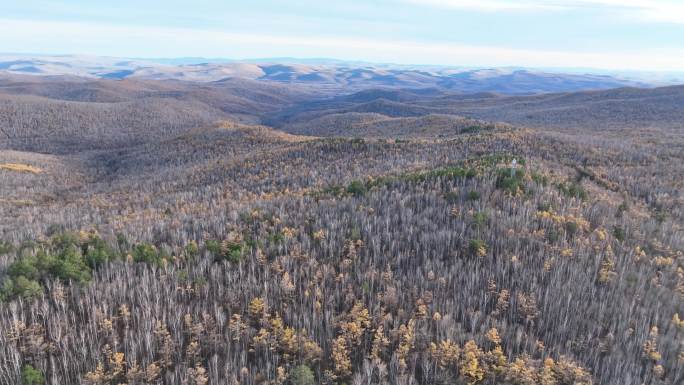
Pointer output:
x,y
616,109
246,231
46,114
329,77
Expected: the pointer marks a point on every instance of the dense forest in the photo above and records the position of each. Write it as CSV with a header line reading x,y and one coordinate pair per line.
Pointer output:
x,y
470,252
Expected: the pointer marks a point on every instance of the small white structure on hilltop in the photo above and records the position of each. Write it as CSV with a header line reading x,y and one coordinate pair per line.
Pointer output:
x,y
514,164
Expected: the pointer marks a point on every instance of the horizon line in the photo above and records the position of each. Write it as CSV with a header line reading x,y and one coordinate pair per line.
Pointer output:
x,y
277,59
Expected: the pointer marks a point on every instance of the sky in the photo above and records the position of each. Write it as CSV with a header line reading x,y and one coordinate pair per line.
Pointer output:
x,y
645,35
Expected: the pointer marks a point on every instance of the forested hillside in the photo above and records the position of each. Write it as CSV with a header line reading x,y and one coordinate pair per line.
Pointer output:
x,y
64,116
615,109
171,233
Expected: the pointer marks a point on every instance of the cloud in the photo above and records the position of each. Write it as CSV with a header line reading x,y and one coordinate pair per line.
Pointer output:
x,y
490,5
144,41
664,11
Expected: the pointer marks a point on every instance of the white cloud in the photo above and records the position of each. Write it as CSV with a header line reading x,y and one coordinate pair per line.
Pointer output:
x,y
669,11
490,5
138,41
666,11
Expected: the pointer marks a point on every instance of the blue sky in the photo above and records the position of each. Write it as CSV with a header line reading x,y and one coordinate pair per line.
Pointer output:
x,y
608,34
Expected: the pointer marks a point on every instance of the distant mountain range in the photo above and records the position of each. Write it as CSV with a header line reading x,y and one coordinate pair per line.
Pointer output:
x,y
68,114
321,75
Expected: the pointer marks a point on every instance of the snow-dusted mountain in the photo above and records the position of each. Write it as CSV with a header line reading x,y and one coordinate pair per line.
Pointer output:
x,y
319,73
